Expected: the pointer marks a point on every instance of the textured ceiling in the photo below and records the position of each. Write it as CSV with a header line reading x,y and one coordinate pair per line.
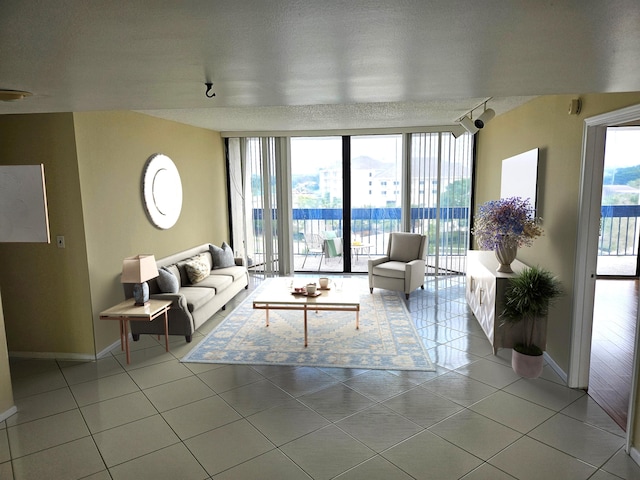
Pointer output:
x,y
287,65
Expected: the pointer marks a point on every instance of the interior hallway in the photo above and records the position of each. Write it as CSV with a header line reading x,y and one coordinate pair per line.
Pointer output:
x,y
614,329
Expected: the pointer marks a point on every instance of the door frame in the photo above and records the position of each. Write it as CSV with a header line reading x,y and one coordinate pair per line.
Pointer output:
x,y
590,199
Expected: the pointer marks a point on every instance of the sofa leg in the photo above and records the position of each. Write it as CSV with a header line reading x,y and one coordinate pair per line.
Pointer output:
x,y
224,307
188,338
422,287
406,295
247,287
135,336
371,290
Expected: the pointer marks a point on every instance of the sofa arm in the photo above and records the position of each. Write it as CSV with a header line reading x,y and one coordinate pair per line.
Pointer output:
x,y
177,299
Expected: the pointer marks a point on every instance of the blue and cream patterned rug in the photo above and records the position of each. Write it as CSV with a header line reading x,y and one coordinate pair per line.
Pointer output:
x,y
387,338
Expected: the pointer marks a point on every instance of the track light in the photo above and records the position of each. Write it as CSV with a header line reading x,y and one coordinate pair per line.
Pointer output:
x,y
487,115
468,125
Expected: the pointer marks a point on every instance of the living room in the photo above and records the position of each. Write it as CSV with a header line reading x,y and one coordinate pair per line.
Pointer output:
x,y
93,162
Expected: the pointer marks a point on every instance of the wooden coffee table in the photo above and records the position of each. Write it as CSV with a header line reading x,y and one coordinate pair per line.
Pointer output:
x,y
278,296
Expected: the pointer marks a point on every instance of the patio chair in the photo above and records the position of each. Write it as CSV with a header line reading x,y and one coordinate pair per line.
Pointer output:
x,y
403,267
313,245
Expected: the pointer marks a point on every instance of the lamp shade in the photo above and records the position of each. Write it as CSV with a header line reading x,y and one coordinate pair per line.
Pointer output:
x,y
139,269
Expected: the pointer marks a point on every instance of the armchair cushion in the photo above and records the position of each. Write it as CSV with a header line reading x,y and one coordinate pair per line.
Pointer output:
x,y
405,247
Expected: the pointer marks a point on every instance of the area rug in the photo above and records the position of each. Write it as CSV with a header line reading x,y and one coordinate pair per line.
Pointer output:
x,y
386,339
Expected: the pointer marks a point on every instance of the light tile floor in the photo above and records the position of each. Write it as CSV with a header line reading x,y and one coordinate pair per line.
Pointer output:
x,y
160,419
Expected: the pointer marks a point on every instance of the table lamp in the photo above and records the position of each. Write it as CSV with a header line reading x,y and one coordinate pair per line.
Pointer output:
x,y
138,270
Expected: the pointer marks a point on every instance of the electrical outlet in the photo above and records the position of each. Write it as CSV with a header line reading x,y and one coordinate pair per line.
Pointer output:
x,y
60,241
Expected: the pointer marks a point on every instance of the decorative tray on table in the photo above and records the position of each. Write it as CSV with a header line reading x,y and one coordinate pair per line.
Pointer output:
x,y
304,293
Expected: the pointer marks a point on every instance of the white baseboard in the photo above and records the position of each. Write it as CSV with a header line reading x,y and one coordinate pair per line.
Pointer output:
x,y
8,413
556,368
84,357
108,349
635,455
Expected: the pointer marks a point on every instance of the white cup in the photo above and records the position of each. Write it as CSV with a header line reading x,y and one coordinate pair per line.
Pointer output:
x,y
311,288
324,282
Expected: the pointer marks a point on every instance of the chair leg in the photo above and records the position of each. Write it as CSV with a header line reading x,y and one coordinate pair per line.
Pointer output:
x,y
371,290
305,259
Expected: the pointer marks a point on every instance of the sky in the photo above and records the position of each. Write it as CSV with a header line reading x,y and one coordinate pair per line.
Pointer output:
x,y
311,153
622,147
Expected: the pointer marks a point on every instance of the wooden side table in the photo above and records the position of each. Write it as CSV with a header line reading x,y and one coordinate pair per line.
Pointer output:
x,y
127,311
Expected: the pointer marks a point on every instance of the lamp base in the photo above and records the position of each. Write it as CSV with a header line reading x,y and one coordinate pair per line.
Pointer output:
x,y
141,294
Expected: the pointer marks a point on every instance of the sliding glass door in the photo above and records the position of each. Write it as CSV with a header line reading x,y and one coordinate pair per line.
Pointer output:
x,y
376,195
441,173
328,204
316,198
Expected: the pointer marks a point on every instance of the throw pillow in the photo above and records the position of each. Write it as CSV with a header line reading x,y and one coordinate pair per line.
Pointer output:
x,y
197,270
167,281
222,256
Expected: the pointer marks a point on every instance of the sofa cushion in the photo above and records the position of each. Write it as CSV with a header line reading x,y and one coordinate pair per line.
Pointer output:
x,y
167,281
197,269
222,256
405,247
196,297
234,272
217,282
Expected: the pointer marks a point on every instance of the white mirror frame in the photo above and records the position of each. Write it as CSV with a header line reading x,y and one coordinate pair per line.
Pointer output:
x,y
162,191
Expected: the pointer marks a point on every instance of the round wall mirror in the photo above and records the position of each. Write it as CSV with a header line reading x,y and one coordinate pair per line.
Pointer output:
x,y
162,191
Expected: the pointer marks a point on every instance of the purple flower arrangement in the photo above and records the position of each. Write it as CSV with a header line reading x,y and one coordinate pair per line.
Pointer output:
x,y
509,221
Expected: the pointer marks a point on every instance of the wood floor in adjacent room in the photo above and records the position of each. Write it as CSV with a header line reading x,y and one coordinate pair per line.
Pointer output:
x,y
614,325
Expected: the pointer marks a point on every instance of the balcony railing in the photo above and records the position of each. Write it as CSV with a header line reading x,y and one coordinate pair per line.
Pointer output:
x,y
619,229
373,225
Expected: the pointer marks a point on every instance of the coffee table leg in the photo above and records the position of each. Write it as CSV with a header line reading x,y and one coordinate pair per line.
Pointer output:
x,y
267,315
358,318
305,327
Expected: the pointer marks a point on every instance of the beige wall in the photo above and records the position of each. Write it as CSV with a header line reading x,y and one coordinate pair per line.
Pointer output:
x,y
45,289
93,170
112,150
6,391
544,123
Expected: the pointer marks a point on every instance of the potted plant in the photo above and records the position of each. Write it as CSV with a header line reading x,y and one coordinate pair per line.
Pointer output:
x,y
503,226
527,299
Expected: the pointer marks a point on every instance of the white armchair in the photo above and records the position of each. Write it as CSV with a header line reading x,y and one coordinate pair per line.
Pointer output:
x,y
404,266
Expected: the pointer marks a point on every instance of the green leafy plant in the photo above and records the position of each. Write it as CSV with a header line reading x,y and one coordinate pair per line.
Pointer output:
x,y
527,299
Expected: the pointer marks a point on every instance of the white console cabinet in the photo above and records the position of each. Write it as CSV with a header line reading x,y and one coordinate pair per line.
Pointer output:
x,y
485,296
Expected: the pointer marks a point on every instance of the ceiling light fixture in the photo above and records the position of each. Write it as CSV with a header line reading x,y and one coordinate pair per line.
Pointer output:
x,y
12,95
209,93
472,126
487,115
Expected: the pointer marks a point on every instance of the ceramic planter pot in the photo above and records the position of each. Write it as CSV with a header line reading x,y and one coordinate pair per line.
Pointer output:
x,y
527,366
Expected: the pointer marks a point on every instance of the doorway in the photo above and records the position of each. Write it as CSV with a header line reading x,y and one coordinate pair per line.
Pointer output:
x,y
588,240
